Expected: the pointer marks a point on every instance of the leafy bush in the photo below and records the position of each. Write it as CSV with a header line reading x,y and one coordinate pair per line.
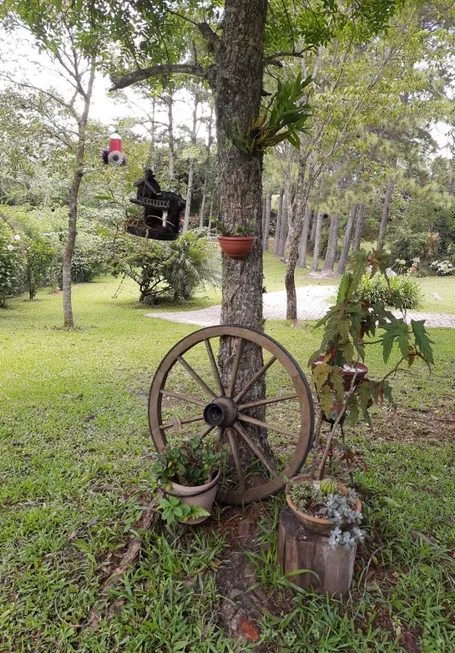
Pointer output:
x,y
40,255
442,268
403,292
408,245
11,263
171,270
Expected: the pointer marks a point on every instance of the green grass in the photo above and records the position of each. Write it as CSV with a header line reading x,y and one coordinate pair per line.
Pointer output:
x,y
74,457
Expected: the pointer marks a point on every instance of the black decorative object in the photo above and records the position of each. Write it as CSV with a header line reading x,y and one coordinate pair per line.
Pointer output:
x,y
162,211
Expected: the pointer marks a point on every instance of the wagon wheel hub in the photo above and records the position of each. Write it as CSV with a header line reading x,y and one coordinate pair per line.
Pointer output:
x,y
221,412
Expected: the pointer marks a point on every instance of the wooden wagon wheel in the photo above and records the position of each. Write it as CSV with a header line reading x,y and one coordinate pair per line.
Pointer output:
x,y
218,407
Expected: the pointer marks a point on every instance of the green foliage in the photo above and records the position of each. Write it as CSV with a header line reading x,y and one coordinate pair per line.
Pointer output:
x,y
328,486
396,292
175,270
283,120
173,510
241,230
40,255
193,463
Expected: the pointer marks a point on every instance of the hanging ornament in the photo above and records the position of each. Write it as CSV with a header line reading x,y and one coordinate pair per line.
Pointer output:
x,y
113,154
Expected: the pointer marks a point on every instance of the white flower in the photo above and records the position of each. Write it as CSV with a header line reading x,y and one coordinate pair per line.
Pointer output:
x,y
10,248
17,237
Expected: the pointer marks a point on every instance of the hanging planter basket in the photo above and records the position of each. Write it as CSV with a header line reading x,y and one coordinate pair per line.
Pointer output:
x,y
237,246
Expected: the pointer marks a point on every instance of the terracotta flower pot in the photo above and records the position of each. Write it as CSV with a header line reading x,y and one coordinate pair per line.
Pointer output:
x,y
236,246
201,496
362,371
315,524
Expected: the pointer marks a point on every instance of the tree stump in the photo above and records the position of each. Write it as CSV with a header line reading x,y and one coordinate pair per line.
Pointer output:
x,y
299,548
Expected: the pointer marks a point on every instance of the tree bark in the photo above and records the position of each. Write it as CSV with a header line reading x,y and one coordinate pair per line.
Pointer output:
x,y
313,228
332,244
204,199
347,241
317,241
303,244
268,211
386,207
286,211
237,100
358,229
279,216
68,318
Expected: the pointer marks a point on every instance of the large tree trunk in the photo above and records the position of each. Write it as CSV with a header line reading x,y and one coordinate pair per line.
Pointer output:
x,y
358,229
331,252
238,97
317,241
268,211
279,217
68,318
347,241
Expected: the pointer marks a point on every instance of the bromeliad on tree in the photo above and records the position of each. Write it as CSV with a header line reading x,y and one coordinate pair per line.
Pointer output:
x,y
340,379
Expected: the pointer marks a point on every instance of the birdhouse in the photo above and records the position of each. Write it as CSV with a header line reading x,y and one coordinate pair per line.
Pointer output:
x,y
162,211
113,154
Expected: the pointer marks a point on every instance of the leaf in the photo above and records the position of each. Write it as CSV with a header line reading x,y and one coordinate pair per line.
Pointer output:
x,y
391,502
326,399
336,380
320,374
422,341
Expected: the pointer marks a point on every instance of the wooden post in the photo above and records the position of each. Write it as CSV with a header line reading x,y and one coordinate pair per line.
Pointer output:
x,y
299,548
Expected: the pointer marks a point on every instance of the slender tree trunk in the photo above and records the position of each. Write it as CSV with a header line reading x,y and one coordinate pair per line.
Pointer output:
x,y
210,213
347,241
303,245
358,229
204,199
313,228
189,195
238,97
268,211
386,208
317,241
279,217
152,154
68,318
332,243
170,131
286,212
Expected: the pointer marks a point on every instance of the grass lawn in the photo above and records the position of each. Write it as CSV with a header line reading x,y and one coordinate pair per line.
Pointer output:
x,y
74,458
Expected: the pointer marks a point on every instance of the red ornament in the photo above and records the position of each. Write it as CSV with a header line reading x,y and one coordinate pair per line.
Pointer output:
x,y
115,143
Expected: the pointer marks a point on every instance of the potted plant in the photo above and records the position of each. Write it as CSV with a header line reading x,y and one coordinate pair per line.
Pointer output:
x,y
237,244
351,326
189,476
328,508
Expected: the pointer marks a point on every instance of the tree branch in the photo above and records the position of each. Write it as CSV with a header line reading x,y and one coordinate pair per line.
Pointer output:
x,y
136,76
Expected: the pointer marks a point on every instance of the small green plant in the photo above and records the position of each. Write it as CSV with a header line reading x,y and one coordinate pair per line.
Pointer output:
x,y
193,463
282,120
395,292
173,510
241,230
323,500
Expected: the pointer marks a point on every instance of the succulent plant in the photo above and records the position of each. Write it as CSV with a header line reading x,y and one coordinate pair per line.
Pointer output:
x,y
328,486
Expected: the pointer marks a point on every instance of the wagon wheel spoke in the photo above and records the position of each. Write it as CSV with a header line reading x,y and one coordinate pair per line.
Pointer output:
x,y
265,402
236,456
255,448
235,365
255,378
208,430
196,377
265,425
180,395
187,420
215,370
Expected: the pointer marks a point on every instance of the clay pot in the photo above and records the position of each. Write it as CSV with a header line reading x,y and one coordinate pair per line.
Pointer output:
x,y
236,246
315,524
362,371
201,496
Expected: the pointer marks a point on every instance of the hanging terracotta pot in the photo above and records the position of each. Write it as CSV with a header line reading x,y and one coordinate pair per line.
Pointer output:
x,y
237,246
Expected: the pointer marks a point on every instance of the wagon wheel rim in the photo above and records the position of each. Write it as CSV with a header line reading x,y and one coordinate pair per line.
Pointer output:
x,y
225,412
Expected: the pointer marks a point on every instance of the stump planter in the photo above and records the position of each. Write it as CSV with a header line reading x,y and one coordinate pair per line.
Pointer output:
x,y
237,246
315,524
201,496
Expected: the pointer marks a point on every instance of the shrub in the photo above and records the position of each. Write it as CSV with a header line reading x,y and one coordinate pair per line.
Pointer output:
x,y
11,263
404,292
407,246
442,268
40,255
171,270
